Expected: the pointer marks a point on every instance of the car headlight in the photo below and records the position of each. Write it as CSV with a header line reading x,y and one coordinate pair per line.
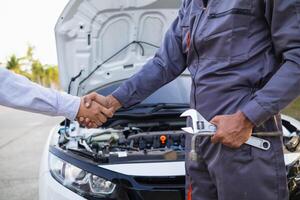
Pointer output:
x,y
78,180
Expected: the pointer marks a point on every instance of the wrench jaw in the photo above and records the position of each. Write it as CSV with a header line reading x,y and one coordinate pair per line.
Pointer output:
x,y
194,115
188,130
200,125
187,113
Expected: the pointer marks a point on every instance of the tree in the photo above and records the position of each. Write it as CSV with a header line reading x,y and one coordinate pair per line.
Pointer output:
x,y
13,63
33,69
37,72
28,58
51,76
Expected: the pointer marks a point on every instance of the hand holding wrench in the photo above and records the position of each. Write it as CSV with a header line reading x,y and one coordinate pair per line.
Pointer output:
x,y
201,127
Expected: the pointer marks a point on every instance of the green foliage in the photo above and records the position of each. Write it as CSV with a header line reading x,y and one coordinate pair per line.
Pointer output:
x,y
51,76
293,109
37,71
33,69
13,63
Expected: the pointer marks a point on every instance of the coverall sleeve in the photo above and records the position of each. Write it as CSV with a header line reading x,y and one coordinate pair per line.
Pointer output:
x,y
18,92
167,64
283,18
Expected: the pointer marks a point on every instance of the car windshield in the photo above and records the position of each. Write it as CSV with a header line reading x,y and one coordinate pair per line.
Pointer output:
x,y
175,92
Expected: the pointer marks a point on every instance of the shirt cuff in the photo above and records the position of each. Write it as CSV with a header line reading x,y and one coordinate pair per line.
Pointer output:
x,y
68,105
256,113
122,96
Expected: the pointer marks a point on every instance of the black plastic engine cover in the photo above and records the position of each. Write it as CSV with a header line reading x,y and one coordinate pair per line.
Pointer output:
x,y
154,140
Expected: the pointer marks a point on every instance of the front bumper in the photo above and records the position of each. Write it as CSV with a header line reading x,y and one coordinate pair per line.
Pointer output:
x,y
128,187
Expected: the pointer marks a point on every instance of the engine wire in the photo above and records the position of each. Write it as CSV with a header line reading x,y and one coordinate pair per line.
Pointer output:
x,y
139,43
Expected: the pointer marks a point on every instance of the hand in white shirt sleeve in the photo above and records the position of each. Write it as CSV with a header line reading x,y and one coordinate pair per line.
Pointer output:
x,y
18,92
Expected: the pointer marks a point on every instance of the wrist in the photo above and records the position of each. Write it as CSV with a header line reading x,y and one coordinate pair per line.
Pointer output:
x,y
113,103
245,119
81,109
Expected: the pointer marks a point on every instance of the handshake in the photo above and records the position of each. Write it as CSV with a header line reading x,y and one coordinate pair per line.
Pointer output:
x,y
95,109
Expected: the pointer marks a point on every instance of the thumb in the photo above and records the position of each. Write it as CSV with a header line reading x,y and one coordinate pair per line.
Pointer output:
x,y
88,99
215,120
112,111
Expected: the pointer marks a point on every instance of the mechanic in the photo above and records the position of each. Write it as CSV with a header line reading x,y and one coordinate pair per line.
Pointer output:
x,y
244,59
18,92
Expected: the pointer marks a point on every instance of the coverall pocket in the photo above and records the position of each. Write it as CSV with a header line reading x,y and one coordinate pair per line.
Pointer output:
x,y
241,155
226,31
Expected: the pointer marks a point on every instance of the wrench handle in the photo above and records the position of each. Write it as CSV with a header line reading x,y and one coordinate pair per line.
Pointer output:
x,y
259,143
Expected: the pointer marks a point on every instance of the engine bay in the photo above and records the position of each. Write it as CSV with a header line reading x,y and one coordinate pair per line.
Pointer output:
x,y
130,141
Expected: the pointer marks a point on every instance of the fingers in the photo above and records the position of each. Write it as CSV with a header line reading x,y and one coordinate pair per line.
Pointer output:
x,y
88,99
98,114
86,122
92,125
81,120
101,119
107,112
101,100
218,137
225,139
94,113
233,130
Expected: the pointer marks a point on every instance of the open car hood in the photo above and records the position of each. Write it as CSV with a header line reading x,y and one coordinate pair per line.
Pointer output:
x,y
89,32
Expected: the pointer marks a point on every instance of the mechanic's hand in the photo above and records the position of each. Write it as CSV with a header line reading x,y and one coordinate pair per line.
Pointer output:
x,y
93,116
232,130
88,99
108,102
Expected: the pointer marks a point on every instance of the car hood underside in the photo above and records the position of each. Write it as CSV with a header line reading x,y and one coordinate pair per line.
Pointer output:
x,y
117,36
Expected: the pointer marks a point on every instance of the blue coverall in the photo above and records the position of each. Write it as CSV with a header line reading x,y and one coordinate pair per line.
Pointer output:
x,y
242,55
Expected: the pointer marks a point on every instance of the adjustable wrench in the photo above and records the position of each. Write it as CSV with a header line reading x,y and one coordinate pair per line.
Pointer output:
x,y
201,127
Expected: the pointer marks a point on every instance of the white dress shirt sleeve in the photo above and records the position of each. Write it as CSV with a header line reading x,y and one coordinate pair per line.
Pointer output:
x,y
18,92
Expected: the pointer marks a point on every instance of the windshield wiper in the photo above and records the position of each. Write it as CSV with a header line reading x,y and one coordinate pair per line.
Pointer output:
x,y
157,106
161,106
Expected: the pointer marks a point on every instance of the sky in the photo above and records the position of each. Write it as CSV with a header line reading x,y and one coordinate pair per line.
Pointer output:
x,y
32,22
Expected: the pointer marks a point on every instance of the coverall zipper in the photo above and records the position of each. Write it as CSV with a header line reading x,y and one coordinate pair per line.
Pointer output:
x,y
196,51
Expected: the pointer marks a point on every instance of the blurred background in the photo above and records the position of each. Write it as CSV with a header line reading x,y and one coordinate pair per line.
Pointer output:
x,y
28,48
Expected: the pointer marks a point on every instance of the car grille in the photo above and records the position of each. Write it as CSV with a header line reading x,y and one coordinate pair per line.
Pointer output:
x,y
161,181
165,195
166,188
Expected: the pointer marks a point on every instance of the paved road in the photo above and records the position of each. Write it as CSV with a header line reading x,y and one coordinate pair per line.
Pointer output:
x,y
22,138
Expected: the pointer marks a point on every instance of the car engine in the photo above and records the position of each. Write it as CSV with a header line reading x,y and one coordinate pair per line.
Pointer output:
x,y
127,142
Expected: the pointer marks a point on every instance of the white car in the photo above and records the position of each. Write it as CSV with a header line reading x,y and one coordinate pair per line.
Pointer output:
x,y
139,154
